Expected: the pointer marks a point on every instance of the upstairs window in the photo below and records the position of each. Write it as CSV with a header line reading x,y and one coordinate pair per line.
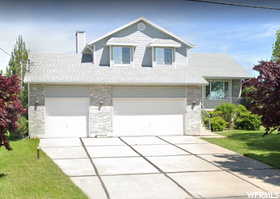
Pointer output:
x,y
121,55
217,90
163,56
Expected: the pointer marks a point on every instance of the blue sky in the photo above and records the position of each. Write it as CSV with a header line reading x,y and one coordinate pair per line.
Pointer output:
x,y
246,34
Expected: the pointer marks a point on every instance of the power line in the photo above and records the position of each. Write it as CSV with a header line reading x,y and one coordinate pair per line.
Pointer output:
x,y
234,4
5,51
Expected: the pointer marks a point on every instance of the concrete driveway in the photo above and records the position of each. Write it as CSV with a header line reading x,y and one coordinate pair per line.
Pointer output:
x,y
166,167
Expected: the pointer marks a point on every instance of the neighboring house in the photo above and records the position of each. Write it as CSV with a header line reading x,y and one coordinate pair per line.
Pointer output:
x,y
137,80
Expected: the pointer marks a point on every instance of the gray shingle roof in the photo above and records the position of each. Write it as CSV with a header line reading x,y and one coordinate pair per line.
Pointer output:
x,y
216,65
68,69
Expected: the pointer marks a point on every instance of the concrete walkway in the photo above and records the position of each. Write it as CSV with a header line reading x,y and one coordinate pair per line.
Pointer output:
x,y
166,167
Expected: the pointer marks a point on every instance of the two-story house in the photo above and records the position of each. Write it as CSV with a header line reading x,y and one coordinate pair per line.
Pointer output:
x,y
139,79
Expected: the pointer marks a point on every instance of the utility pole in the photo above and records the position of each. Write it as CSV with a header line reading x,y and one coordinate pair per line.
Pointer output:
x,y
21,74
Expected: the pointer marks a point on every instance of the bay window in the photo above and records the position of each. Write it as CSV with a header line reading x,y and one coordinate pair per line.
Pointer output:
x,y
217,89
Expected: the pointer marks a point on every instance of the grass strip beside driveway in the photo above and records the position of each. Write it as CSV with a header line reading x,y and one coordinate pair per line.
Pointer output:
x,y
252,144
25,177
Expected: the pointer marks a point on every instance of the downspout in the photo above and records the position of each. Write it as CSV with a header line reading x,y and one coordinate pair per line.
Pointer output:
x,y
241,89
28,106
186,94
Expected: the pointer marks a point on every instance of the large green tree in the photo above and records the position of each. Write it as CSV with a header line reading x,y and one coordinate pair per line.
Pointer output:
x,y
276,48
17,66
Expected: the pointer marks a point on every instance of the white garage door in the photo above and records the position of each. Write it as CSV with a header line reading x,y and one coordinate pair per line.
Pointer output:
x,y
148,116
66,117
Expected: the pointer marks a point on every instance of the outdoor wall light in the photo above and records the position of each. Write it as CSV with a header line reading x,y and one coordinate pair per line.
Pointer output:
x,y
101,102
36,104
193,104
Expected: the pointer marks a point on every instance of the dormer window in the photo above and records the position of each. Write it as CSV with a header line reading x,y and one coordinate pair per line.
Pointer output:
x,y
121,51
121,55
163,51
163,56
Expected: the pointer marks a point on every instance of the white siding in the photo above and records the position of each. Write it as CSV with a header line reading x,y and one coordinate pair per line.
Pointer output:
x,y
143,54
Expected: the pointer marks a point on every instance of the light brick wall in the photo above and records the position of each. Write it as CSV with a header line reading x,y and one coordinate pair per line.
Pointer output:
x,y
36,116
100,116
192,117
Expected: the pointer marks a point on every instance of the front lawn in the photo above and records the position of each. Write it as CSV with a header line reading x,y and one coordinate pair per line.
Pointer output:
x,y
252,144
25,177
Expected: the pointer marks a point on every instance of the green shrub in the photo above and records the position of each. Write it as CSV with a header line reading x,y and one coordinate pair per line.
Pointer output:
x,y
231,116
218,123
248,121
22,129
241,109
228,112
215,113
205,118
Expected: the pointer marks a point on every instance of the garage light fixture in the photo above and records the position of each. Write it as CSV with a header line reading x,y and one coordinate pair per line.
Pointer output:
x,y
101,102
36,104
193,104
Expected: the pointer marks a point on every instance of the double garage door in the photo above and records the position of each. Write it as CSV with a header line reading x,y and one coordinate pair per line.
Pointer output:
x,y
148,117
136,111
148,111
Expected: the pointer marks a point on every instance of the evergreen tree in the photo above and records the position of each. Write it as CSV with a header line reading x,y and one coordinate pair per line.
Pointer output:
x,y
18,60
276,48
17,66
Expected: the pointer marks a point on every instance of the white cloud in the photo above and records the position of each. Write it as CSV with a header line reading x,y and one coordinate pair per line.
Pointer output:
x,y
269,30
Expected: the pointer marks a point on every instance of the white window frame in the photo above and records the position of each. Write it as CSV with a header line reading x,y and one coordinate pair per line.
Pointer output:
x,y
132,49
164,65
219,80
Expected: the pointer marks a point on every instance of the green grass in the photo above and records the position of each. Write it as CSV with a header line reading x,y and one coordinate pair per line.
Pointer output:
x,y
25,177
252,144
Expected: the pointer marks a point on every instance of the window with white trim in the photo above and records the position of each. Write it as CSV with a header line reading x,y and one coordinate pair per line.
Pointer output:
x,y
217,89
163,56
121,55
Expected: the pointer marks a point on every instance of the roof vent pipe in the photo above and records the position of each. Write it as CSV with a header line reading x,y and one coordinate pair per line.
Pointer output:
x,y
80,41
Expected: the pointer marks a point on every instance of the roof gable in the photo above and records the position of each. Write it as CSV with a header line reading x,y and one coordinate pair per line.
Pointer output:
x,y
147,22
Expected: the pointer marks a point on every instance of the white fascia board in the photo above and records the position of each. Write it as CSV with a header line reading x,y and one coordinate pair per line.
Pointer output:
x,y
118,83
165,45
120,44
226,77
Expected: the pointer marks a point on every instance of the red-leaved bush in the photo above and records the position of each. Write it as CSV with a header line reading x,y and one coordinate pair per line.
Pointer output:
x,y
10,107
264,94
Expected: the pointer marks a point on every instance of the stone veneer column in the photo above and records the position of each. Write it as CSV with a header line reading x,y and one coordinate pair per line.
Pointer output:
x,y
100,117
193,113
36,116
